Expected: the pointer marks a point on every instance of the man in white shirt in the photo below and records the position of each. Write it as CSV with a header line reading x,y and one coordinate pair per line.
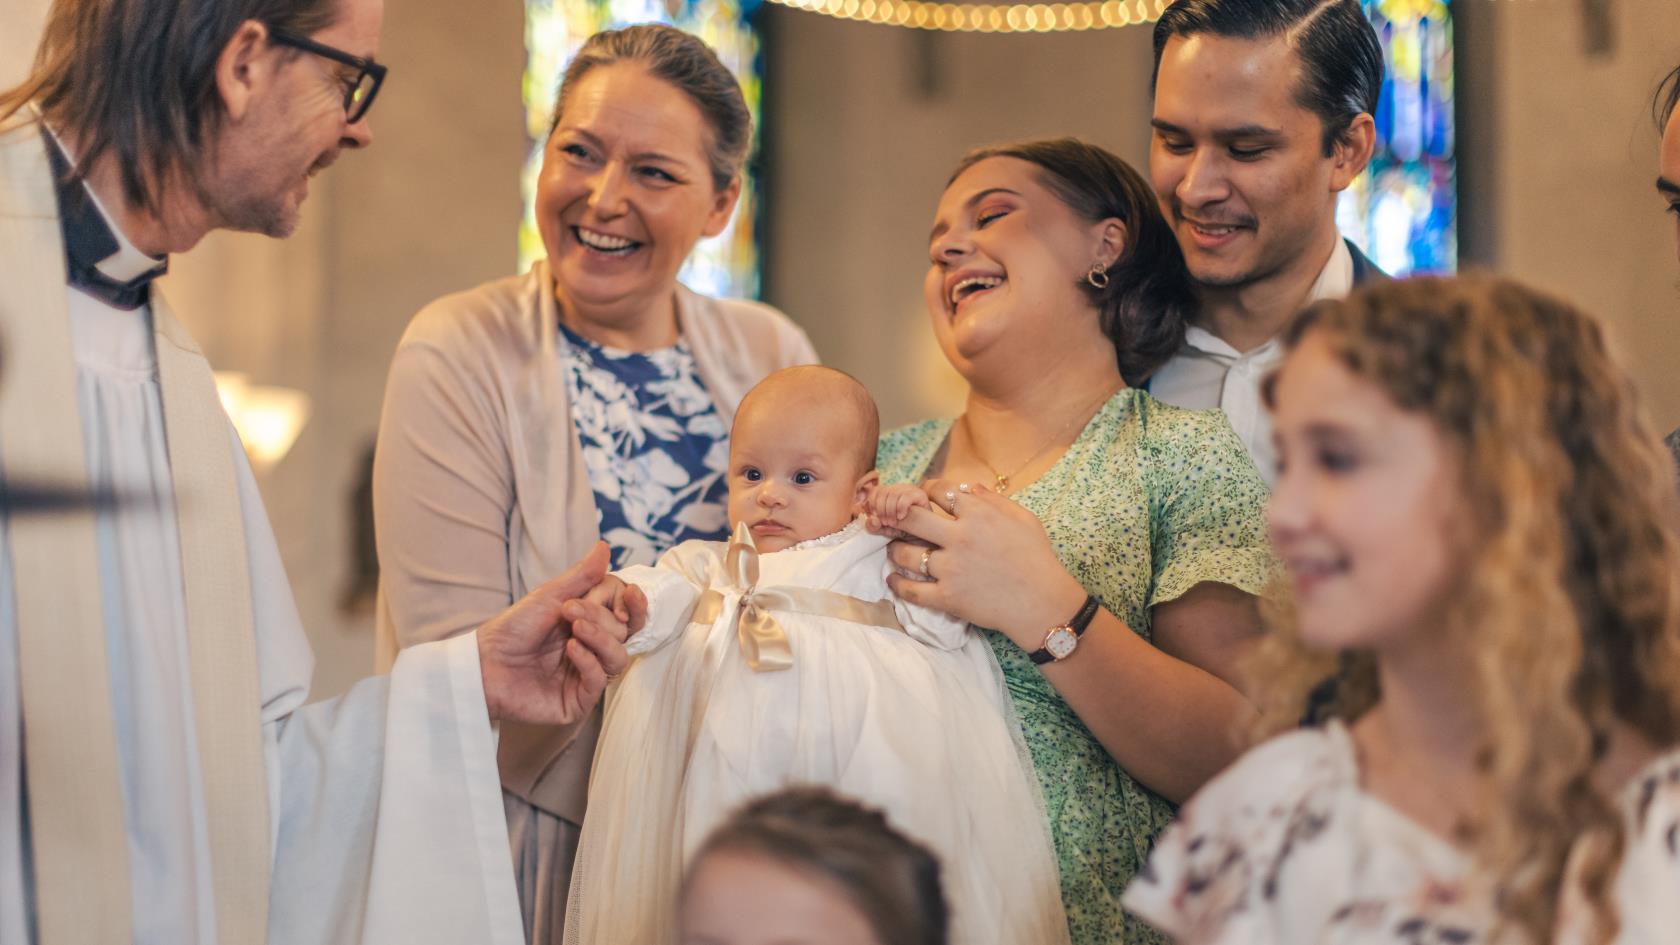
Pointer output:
x,y
1263,115
160,780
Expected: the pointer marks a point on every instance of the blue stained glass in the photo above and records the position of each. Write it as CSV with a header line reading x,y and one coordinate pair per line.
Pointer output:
x,y
1403,212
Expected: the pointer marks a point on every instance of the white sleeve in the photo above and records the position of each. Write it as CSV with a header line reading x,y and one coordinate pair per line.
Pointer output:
x,y
388,817
385,804
673,586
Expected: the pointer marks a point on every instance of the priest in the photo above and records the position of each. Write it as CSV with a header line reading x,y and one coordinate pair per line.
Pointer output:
x,y
161,780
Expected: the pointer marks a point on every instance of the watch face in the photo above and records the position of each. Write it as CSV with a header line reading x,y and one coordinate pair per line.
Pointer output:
x,y
1060,643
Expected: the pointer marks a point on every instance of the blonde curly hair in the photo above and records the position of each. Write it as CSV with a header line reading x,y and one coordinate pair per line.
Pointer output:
x,y
1570,590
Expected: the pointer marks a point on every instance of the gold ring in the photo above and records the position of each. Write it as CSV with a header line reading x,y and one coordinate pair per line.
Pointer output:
x,y
926,554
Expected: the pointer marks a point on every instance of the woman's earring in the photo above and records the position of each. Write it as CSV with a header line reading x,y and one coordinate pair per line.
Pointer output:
x,y
1098,276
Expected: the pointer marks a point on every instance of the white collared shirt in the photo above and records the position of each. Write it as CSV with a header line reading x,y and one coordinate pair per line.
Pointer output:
x,y
1208,372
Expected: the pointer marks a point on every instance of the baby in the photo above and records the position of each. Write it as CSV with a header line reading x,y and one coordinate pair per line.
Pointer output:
x,y
781,658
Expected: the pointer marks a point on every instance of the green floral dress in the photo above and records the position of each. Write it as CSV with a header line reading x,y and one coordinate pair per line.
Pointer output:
x,y
1148,502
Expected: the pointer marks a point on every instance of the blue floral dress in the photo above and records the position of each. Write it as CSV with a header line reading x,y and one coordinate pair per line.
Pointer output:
x,y
655,447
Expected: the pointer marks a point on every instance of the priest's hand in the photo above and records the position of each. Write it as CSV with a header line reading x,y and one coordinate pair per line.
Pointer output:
x,y
546,659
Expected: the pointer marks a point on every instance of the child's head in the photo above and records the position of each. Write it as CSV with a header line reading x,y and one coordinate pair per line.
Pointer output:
x,y
805,865
801,455
1465,472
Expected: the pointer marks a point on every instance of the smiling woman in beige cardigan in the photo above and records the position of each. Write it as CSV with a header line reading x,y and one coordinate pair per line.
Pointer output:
x,y
483,486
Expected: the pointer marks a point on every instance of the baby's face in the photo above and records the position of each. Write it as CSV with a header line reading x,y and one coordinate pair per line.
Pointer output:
x,y
793,471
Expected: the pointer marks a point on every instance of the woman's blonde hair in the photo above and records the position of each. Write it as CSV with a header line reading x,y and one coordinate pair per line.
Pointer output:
x,y
1569,588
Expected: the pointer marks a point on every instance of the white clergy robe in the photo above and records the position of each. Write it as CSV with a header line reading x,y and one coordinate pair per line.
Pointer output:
x,y
347,860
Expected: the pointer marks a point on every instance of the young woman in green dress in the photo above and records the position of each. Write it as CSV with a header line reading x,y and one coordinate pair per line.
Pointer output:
x,y
1113,545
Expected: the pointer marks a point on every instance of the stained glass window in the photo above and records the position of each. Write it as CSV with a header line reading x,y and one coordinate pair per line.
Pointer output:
x,y
1403,212
724,265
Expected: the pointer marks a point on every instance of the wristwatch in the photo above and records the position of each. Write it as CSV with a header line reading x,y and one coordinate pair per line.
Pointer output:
x,y
1060,642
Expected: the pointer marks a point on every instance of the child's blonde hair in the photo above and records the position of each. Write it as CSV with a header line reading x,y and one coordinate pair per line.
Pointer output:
x,y
1569,595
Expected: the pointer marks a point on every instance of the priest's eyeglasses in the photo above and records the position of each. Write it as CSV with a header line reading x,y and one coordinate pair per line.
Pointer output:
x,y
358,92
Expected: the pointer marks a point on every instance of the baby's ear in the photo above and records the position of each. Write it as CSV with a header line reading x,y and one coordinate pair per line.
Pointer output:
x,y
860,494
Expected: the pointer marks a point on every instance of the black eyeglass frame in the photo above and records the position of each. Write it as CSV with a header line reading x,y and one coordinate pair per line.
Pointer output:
x,y
365,68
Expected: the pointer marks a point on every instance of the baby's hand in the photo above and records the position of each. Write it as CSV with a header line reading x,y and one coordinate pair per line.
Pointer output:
x,y
626,601
888,505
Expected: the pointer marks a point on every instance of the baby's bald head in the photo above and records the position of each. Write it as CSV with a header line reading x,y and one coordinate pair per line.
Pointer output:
x,y
812,393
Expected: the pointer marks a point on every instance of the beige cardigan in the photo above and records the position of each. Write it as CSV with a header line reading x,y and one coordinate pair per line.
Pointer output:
x,y
479,487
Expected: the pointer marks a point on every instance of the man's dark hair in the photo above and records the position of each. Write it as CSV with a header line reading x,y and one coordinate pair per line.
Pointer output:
x,y
137,78
1341,57
1667,97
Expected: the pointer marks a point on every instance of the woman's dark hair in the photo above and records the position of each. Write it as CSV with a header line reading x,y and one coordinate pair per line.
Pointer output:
x,y
890,878
1667,97
1341,57
687,63
137,78
1149,296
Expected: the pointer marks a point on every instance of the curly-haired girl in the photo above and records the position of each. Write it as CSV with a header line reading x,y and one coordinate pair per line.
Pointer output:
x,y
1478,529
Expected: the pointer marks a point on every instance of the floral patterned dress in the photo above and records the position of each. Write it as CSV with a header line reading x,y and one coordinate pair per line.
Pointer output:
x,y
654,444
1148,502
1286,847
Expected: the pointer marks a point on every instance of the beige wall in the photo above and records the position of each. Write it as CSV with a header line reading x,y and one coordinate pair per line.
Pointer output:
x,y
1572,160
20,24
865,123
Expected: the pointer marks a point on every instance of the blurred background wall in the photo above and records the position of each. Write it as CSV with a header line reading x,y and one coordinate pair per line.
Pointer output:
x,y
863,123
20,25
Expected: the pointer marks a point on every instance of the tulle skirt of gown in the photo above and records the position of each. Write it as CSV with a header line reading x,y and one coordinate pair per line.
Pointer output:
x,y
921,733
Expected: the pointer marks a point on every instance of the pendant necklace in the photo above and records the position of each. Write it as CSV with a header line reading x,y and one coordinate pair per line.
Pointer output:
x,y
1002,479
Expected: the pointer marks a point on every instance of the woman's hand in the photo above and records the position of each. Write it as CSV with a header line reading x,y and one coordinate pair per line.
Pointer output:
x,y
1171,723
988,561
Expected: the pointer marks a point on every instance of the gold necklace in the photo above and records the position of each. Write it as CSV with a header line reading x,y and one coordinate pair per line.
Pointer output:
x,y
1002,479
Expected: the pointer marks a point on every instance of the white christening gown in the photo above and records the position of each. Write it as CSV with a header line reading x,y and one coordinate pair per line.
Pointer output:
x,y
754,673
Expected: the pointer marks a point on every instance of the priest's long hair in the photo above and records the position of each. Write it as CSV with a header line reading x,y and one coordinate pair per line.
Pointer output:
x,y
137,78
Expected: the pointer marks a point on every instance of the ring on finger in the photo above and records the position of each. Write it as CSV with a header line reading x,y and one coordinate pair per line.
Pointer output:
x,y
926,554
951,502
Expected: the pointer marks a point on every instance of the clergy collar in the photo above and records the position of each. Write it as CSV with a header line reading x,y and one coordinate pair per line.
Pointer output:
x,y
100,260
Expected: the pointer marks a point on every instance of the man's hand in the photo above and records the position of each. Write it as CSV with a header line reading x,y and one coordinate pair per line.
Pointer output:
x,y
546,659
626,601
